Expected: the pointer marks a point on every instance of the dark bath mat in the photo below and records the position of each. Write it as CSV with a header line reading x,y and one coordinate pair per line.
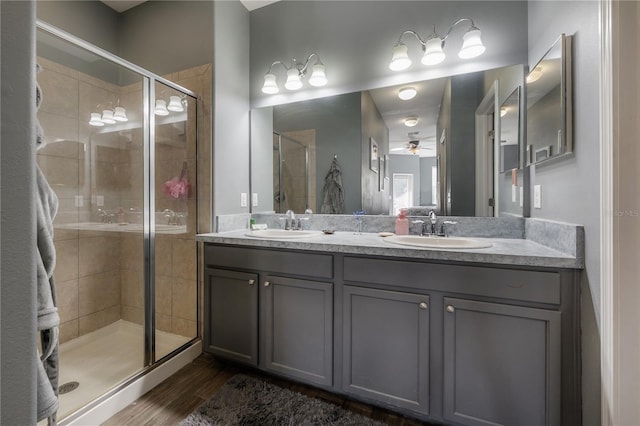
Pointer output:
x,y
246,401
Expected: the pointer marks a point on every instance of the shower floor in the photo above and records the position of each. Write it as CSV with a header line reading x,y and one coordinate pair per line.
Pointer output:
x,y
103,358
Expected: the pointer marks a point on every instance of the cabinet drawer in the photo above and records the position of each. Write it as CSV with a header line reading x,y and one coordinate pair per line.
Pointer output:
x,y
273,261
531,286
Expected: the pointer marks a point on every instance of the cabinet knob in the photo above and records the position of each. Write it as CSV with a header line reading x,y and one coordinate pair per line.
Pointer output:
x,y
423,305
450,308
252,282
267,283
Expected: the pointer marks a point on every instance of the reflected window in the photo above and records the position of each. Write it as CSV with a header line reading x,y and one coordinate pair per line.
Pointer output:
x,y
402,191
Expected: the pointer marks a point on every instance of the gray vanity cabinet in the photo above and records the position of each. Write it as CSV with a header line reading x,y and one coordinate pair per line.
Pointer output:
x,y
501,364
296,328
232,315
386,346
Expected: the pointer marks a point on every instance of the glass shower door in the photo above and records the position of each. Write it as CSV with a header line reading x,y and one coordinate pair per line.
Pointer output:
x,y
175,219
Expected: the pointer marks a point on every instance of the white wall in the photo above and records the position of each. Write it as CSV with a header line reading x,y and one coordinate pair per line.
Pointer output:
x,y
17,215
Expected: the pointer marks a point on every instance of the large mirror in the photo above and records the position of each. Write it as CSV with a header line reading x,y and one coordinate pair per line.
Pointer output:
x,y
425,147
510,132
549,104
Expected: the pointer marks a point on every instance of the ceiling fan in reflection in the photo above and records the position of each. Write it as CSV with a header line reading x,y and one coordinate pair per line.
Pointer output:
x,y
413,145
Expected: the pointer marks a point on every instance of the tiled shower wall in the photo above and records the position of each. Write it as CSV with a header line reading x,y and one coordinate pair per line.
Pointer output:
x,y
99,274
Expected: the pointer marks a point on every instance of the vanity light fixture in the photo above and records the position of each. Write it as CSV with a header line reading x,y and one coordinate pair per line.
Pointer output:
x,y
296,72
407,93
411,121
434,44
108,115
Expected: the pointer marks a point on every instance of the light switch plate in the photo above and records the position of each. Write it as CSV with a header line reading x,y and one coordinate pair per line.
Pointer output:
x,y
514,193
243,199
537,197
521,196
254,199
100,200
79,201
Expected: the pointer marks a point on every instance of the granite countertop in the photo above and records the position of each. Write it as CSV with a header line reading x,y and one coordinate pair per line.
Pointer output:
x,y
505,251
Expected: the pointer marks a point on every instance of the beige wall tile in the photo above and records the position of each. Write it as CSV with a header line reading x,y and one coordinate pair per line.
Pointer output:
x,y
67,300
66,260
184,298
59,93
99,319
54,66
183,327
131,252
192,72
61,173
163,295
164,252
184,259
60,135
98,292
99,254
68,331
132,288
133,314
163,322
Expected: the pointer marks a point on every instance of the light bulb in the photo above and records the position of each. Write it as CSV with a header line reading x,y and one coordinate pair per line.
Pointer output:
x,y
399,59
161,107
433,53
411,121
95,120
535,74
318,77
175,104
471,44
293,80
270,87
107,117
503,111
120,114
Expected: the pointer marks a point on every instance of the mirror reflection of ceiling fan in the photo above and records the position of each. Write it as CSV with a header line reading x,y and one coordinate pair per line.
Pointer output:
x,y
414,146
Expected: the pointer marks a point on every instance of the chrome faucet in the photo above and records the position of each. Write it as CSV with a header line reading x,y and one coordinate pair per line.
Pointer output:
x,y
434,221
290,222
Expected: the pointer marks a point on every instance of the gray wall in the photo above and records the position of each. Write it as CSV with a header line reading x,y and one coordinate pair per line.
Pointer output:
x,y
426,163
354,40
570,187
337,123
17,217
409,164
261,154
92,21
167,36
230,107
374,199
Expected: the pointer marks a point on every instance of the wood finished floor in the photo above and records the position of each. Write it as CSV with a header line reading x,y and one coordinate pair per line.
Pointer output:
x,y
173,400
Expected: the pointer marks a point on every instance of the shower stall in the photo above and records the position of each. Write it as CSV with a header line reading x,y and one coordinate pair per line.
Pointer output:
x,y
293,183
120,154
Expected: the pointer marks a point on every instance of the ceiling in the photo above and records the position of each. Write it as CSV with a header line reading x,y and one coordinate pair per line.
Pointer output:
x,y
124,5
425,105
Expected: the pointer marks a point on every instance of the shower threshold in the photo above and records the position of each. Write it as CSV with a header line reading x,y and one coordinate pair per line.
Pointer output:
x,y
102,359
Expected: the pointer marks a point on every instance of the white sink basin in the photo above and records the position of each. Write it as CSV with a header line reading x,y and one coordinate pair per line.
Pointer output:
x,y
437,242
282,234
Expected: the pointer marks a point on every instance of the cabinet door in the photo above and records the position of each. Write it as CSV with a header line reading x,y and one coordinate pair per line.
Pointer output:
x,y
386,346
501,364
297,328
231,315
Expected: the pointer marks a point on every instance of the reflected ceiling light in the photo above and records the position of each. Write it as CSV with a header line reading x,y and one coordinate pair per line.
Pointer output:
x,y
296,72
535,74
175,104
411,121
503,111
433,47
96,120
161,107
407,93
120,114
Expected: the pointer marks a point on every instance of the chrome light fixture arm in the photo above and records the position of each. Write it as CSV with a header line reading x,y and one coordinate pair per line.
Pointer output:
x,y
295,73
